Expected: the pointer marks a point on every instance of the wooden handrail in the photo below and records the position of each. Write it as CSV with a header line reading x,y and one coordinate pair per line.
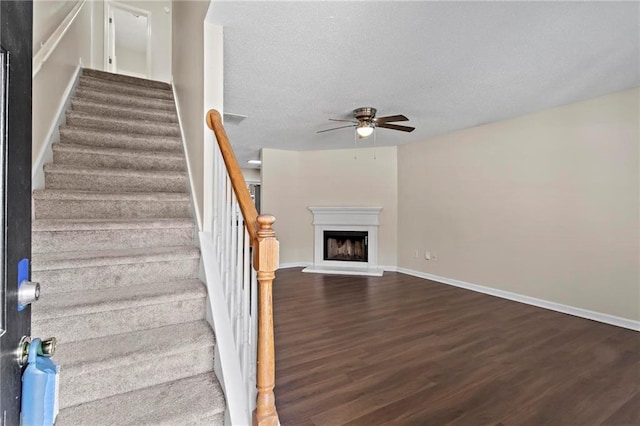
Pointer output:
x,y
247,207
265,261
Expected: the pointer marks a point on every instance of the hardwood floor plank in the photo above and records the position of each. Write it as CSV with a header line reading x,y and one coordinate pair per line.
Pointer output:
x,y
627,415
399,350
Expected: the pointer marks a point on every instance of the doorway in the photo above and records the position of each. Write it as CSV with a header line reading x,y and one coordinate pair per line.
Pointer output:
x,y
127,40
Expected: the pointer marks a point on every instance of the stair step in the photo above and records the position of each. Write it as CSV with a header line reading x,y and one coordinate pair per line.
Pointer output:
x,y
60,176
73,272
88,314
113,139
101,367
149,128
196,400
124,100
113,247
124,88
106,110
108,76
61,235
116,158
60,204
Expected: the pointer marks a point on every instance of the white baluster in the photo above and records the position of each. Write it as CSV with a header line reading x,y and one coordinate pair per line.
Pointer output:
x,y
233,255
214,216
228,252
246,306
238,283
254,331
218,201
222,179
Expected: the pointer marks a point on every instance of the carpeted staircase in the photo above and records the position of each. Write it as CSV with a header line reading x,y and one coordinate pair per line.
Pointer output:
x,y
113,248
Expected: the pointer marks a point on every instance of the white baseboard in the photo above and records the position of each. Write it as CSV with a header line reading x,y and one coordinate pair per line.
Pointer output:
x,y
307,264
336,270
294,265
558,307
45,155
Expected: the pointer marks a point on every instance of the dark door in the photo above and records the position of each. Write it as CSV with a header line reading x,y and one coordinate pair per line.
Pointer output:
x,y
16,24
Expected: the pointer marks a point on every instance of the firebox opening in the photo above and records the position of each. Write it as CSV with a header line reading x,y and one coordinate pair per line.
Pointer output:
x,y
351,246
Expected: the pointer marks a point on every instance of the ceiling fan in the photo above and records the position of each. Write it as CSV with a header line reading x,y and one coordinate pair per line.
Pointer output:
x,y
367,121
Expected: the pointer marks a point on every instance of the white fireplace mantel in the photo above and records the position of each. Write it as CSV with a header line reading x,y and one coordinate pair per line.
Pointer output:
x,y
345,219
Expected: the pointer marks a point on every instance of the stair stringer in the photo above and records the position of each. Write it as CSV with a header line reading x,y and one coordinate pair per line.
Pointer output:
x,y
239,408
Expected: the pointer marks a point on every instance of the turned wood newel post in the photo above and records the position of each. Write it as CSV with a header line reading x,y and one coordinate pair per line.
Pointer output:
x,y
266,263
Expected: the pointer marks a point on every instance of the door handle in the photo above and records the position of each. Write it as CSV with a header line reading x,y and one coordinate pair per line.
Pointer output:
x,y
28,292
46,348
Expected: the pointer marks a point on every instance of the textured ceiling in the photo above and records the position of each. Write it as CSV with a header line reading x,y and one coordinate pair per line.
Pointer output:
x,y
289,66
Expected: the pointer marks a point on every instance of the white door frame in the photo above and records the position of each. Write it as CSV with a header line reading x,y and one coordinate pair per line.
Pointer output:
x,y
109,47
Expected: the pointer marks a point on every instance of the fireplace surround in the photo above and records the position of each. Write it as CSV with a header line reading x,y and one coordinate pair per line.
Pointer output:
x,y
345,240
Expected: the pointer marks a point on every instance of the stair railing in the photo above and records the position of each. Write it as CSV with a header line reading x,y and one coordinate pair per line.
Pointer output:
x,y
247,254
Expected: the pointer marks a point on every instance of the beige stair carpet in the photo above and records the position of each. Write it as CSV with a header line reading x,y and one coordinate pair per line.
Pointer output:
x,y
113,248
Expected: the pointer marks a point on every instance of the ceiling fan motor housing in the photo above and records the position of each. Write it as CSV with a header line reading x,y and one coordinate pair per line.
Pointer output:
x,y
365,114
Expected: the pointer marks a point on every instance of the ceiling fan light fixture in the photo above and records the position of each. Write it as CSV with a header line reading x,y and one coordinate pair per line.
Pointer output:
x,y
364,130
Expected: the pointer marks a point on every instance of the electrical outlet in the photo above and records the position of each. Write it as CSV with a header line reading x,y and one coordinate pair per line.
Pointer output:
x,y
427,255
415,254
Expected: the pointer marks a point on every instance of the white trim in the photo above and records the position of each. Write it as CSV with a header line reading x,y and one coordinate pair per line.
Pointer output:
x,y
294,265
305,264
338,270
194,201
108,6
53,135
52,42
105,36
361,216
558,307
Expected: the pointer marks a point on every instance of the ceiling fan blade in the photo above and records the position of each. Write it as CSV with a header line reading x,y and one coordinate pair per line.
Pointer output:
x,y
336,128
346,121
389,118
396,127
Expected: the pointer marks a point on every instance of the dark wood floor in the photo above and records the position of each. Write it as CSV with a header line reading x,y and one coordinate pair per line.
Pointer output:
x,y
402,350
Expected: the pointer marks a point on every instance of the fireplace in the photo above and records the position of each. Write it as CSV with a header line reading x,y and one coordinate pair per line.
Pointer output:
x,y
346,246
345,241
